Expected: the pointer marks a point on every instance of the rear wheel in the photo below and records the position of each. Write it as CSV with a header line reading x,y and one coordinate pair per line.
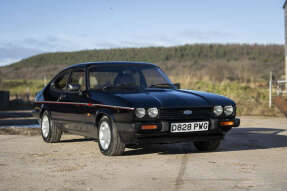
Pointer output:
x,y
109,142
211,145
50,133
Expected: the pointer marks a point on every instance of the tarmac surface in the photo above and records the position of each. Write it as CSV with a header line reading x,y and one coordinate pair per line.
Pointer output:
x,y
252,157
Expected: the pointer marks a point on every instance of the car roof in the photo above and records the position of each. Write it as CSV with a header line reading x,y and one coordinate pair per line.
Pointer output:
x,y
111,63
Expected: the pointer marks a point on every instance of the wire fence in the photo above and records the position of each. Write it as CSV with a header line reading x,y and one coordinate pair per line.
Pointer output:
x,y
281,88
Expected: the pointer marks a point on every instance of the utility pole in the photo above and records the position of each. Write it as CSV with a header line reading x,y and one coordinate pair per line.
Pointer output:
x,y
285,18
45,80
270,90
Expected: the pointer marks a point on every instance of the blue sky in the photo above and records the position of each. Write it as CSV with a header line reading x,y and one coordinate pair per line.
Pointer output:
x,y
30,27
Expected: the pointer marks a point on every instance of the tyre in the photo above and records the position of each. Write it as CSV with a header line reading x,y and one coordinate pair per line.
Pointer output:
x,y
109,141
50,133
211,145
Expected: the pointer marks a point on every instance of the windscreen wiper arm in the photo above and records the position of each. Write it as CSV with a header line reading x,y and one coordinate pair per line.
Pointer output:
x,y
122,87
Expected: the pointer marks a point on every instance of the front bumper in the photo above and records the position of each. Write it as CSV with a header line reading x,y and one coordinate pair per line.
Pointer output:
x,y
131,133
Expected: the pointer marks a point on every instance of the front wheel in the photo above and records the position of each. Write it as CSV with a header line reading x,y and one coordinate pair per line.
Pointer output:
x,y
211,145
109,141
50,133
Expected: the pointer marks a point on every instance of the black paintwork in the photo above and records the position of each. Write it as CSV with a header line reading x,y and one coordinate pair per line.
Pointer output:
x,y
79,112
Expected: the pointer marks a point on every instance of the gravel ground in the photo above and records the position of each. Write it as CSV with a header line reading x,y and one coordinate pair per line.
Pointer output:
x,y
252,157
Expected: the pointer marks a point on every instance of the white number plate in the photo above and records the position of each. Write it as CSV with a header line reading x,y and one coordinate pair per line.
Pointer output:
x,y
189,127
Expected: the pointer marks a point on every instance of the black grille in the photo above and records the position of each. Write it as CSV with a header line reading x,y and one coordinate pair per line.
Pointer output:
x,y
176,114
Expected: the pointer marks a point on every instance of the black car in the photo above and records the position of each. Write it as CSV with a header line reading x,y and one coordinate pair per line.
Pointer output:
x,y
125,104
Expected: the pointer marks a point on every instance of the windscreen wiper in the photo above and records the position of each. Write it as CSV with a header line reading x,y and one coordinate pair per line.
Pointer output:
x,y
121,87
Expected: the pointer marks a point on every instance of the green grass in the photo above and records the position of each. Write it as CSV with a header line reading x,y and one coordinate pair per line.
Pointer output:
x,y
234,62
21,87
238,71
251,99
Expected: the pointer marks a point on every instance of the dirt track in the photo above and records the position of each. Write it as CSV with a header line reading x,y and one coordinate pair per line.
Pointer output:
x,y
252,157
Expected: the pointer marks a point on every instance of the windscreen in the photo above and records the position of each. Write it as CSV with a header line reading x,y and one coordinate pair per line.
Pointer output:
x,y
119,78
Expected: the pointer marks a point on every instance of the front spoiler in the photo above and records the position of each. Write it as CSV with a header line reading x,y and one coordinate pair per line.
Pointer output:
x,y
130,133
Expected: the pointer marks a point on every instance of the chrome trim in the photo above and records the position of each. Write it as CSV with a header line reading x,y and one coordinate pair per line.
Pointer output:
x,y
84,104
187,112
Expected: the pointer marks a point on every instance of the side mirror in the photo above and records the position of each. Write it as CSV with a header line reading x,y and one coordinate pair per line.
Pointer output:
x,y
74,87
177,85
53,85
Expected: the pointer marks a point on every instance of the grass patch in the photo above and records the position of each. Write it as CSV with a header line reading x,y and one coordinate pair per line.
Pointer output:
x,y
22,87
251,99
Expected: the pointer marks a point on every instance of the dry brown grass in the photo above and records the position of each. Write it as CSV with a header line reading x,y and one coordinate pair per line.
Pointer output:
x,y
251,98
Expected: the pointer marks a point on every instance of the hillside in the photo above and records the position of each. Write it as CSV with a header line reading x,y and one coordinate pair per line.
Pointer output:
x,y
234,62
237,71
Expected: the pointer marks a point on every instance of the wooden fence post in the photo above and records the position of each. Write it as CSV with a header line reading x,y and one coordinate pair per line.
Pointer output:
x,y
270,90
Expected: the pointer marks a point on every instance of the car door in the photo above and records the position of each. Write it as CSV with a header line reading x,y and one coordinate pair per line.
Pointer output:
x,y
55,95
77,116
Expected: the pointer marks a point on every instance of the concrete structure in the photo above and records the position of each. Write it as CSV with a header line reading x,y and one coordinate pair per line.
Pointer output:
x,y
285,10
4,99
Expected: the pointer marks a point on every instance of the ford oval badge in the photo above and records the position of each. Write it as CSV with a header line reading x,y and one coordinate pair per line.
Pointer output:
x,y
187,112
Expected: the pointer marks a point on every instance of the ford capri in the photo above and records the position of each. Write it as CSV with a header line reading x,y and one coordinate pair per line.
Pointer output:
x,y
129,104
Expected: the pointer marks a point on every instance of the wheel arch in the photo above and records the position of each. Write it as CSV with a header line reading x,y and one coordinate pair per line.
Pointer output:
x,y
42,110
103,112
117,146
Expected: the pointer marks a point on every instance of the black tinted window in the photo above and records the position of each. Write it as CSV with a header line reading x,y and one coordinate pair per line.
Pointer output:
x,y
61,82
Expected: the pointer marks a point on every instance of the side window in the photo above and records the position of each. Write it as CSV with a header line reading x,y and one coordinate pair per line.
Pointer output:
x,y
61,82
113,77
78,77
99,79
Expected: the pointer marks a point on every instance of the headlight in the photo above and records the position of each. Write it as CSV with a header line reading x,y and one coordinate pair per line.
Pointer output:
x,y
152,112
218,110
140,112
228,110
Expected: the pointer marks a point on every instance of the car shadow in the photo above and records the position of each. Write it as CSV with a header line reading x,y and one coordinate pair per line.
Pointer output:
x,y
177,148
251,138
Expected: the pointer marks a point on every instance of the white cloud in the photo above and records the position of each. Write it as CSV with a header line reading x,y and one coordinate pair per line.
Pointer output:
x,y
11,52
